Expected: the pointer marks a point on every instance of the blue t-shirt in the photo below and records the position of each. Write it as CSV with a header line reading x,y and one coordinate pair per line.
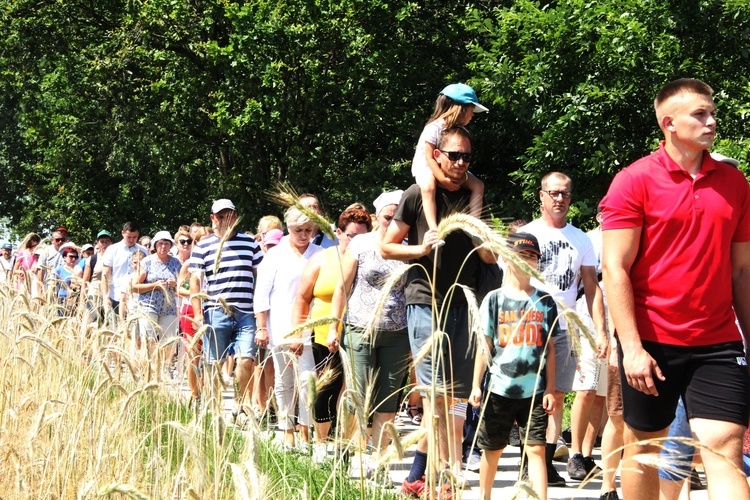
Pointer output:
x,y
519,326
156,301
63,277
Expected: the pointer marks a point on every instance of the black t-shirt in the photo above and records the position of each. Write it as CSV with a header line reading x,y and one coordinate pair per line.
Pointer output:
x,y
451,256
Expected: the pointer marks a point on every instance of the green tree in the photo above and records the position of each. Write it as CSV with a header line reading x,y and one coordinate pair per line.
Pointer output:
x,y
576,80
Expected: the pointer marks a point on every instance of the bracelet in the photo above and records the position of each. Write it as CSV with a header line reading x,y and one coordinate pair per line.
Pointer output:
x,y
261,328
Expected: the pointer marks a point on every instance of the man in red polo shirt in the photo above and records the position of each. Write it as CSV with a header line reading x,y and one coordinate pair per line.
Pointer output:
x,y
676,234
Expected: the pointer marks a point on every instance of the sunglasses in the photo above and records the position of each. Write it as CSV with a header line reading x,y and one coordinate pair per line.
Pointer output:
x,y
58,240
186,242
72,255
457,155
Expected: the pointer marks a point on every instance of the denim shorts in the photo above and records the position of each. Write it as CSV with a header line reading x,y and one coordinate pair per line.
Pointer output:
x,y
452,366
225,331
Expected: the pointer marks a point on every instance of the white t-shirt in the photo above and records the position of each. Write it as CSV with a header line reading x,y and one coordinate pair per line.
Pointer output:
x,y
431,133
279,274
564,251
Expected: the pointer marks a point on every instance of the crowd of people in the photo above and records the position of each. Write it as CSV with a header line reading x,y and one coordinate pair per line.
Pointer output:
x,y
662,356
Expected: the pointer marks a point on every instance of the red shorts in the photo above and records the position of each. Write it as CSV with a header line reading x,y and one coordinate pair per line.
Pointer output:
x,y
187,327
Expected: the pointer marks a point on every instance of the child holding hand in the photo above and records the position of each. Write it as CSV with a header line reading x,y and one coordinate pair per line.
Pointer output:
x,y
517,320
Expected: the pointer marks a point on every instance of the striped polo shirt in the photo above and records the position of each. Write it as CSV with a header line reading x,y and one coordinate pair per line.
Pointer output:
x,y
233,281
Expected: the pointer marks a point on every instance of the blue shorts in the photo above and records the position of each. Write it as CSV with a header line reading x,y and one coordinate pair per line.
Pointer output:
x,y
225,331
677,455
453,363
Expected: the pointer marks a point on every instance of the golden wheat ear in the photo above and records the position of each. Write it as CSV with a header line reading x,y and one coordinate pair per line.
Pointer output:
x,y
285,195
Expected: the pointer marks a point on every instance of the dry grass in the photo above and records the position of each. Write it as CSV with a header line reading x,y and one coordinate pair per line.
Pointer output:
x,y
80,417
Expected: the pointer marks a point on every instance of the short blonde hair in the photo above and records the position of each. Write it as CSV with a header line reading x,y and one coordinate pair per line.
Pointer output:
x,y
295,217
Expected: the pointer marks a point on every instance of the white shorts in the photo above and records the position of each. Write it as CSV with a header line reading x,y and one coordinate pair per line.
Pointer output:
x,y
591,372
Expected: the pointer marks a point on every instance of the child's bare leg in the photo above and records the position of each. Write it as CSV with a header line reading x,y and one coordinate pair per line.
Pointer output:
x,y
477,192
537,469
487,470
427,188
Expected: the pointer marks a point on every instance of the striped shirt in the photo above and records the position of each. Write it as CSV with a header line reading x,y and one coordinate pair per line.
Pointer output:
x,y
234,282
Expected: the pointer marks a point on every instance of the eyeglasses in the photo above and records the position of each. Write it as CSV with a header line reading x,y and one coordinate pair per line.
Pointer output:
x,y
557,194
457,155
186,242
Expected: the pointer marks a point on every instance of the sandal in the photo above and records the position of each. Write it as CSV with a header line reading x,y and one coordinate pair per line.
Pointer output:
x,y
415,419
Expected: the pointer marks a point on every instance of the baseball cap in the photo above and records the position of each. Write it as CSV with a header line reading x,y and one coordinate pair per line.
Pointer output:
x,y
463,94
161,235
222,204
6,246
520,242
273,237
103,233
725,159
87,246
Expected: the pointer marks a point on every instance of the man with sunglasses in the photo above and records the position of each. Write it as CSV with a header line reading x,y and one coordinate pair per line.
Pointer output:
x,y
568,259
51,259
457,262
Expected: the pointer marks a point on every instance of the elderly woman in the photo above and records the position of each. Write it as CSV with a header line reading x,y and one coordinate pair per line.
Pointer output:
x,y
381,356
278,278
67,284
317,285
156,286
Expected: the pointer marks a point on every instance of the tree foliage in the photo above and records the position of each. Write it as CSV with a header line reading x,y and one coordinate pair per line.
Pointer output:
x,y
576,79
117,110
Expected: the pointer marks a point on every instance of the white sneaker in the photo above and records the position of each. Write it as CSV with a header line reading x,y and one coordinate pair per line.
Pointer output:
x,y
319,453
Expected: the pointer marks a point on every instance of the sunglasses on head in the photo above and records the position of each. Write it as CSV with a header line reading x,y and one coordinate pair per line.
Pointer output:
x,y
456,155
189,241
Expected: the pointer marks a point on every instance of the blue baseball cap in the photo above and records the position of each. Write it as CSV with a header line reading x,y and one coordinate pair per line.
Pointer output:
x,y
6,246
463,94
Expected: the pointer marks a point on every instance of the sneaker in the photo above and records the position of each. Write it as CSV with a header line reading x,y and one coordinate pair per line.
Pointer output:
x,y
695,481
445,490
379,477
576,467
553,477
413,488
610,495
515,438
567,436
591,468
319,453
473,462
561,452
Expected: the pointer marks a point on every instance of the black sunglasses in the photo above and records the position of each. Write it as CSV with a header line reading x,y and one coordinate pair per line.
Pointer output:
x,y
58,239
186,242
72,255
456,155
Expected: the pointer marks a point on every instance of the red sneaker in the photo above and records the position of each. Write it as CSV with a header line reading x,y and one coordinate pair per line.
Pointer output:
x,y
413,488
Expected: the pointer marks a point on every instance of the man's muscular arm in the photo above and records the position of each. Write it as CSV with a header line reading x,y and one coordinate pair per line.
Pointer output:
x,y
620,250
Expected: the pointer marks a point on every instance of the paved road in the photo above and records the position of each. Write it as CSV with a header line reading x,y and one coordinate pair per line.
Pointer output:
x,y
505,477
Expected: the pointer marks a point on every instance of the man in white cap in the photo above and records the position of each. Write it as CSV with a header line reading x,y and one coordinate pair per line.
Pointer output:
x,y
6,262
229,261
